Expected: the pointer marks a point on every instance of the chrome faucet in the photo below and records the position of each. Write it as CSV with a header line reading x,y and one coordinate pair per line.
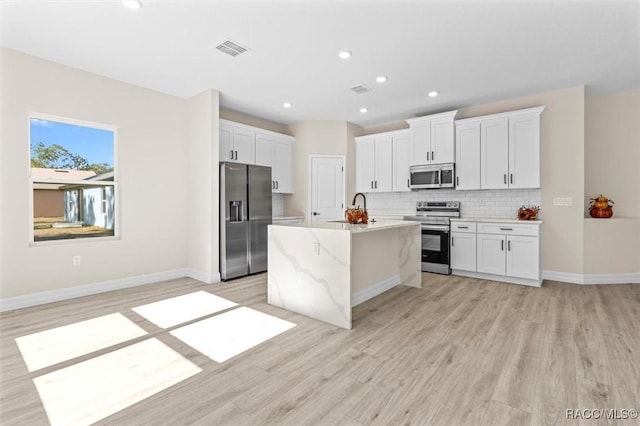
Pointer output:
x,y
363,198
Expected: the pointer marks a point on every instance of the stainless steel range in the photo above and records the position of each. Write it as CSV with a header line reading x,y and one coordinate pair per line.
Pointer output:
x,y
434,218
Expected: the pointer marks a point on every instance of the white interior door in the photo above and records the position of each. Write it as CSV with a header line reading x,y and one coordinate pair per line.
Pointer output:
x,y
327,188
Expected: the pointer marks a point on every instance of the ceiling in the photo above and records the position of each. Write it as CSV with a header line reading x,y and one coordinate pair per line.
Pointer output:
x,y
470,51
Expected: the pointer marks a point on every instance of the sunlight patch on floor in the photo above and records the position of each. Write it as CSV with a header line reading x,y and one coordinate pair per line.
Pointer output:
x,y
59,344
231,333
92,390
177,310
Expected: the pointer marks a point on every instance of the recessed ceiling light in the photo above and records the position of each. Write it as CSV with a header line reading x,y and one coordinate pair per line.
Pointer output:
x,y
286,105
381,79
433,94
363,110
345,54
132,4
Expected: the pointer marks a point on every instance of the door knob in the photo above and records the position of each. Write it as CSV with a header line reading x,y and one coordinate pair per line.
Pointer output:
x,y
316,214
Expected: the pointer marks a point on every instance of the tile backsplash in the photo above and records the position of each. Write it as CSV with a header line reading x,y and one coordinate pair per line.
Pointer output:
x,y
277,205
489,203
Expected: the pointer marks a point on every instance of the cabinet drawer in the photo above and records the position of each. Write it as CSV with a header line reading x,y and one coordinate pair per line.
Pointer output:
x,y
469,227
509,229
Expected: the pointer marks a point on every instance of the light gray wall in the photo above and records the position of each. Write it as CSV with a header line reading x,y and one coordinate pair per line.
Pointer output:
x,y
151,168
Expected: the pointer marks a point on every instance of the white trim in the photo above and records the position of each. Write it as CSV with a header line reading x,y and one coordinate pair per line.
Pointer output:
x,y
43,297
202,276
589,279
116,174
534,110
416,120
391,133
229,123
310,180
500,278
372,291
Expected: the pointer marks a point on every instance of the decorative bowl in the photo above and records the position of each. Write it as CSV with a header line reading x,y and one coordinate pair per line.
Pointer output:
x,y
356,215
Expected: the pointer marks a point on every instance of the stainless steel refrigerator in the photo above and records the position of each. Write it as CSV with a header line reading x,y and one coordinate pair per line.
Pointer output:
x,y
245,213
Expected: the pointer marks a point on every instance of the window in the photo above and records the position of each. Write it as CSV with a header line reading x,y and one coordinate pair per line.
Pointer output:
x,y
72,179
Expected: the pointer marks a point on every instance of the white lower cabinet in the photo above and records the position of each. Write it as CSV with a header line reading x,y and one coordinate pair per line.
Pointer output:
x,y
503,251
522,257
463,251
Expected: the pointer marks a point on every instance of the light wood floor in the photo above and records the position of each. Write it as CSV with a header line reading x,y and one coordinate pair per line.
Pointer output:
x,y
459,351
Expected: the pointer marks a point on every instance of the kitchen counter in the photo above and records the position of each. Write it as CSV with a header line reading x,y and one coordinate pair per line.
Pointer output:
x,y
496,220
324,269
354,228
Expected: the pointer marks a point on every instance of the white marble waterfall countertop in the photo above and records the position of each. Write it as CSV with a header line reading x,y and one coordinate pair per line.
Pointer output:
x,y
495,220
354,229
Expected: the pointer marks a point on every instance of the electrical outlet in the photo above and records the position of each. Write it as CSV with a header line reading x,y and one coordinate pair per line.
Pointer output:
x,y
316,249
76,260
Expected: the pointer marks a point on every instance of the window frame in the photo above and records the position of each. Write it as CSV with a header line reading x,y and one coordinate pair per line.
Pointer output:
x,y
102,184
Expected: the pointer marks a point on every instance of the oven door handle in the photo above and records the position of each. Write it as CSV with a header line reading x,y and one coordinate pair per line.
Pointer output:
x,y
444,228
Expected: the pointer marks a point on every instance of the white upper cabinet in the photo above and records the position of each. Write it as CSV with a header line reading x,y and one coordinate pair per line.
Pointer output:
x,y
264,149
432,139
494,153
243,146
401,162
225,141
468,156
384,164
374,163
365,165
251,145
237,143
283,165
506,146
524,151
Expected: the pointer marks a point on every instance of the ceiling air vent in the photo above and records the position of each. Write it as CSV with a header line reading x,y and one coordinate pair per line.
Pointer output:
x,y
231,48
361,88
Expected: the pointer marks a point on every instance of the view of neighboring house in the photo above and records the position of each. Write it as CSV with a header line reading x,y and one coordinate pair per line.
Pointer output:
x,y
49,198
76,203
91,205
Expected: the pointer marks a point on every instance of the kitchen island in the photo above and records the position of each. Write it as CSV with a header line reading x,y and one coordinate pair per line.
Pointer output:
x,y
324,269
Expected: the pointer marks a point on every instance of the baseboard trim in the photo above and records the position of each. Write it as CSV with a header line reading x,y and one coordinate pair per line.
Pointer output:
x,y
43,297
591,279
202,276
500,278
372,291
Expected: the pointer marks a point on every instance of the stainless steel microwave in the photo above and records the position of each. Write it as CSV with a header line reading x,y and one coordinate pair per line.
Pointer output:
x,y
432,176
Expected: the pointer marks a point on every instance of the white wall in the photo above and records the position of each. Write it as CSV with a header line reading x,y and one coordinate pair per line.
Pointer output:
x,y
203,186
151,167
320,137
612,150
612,159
